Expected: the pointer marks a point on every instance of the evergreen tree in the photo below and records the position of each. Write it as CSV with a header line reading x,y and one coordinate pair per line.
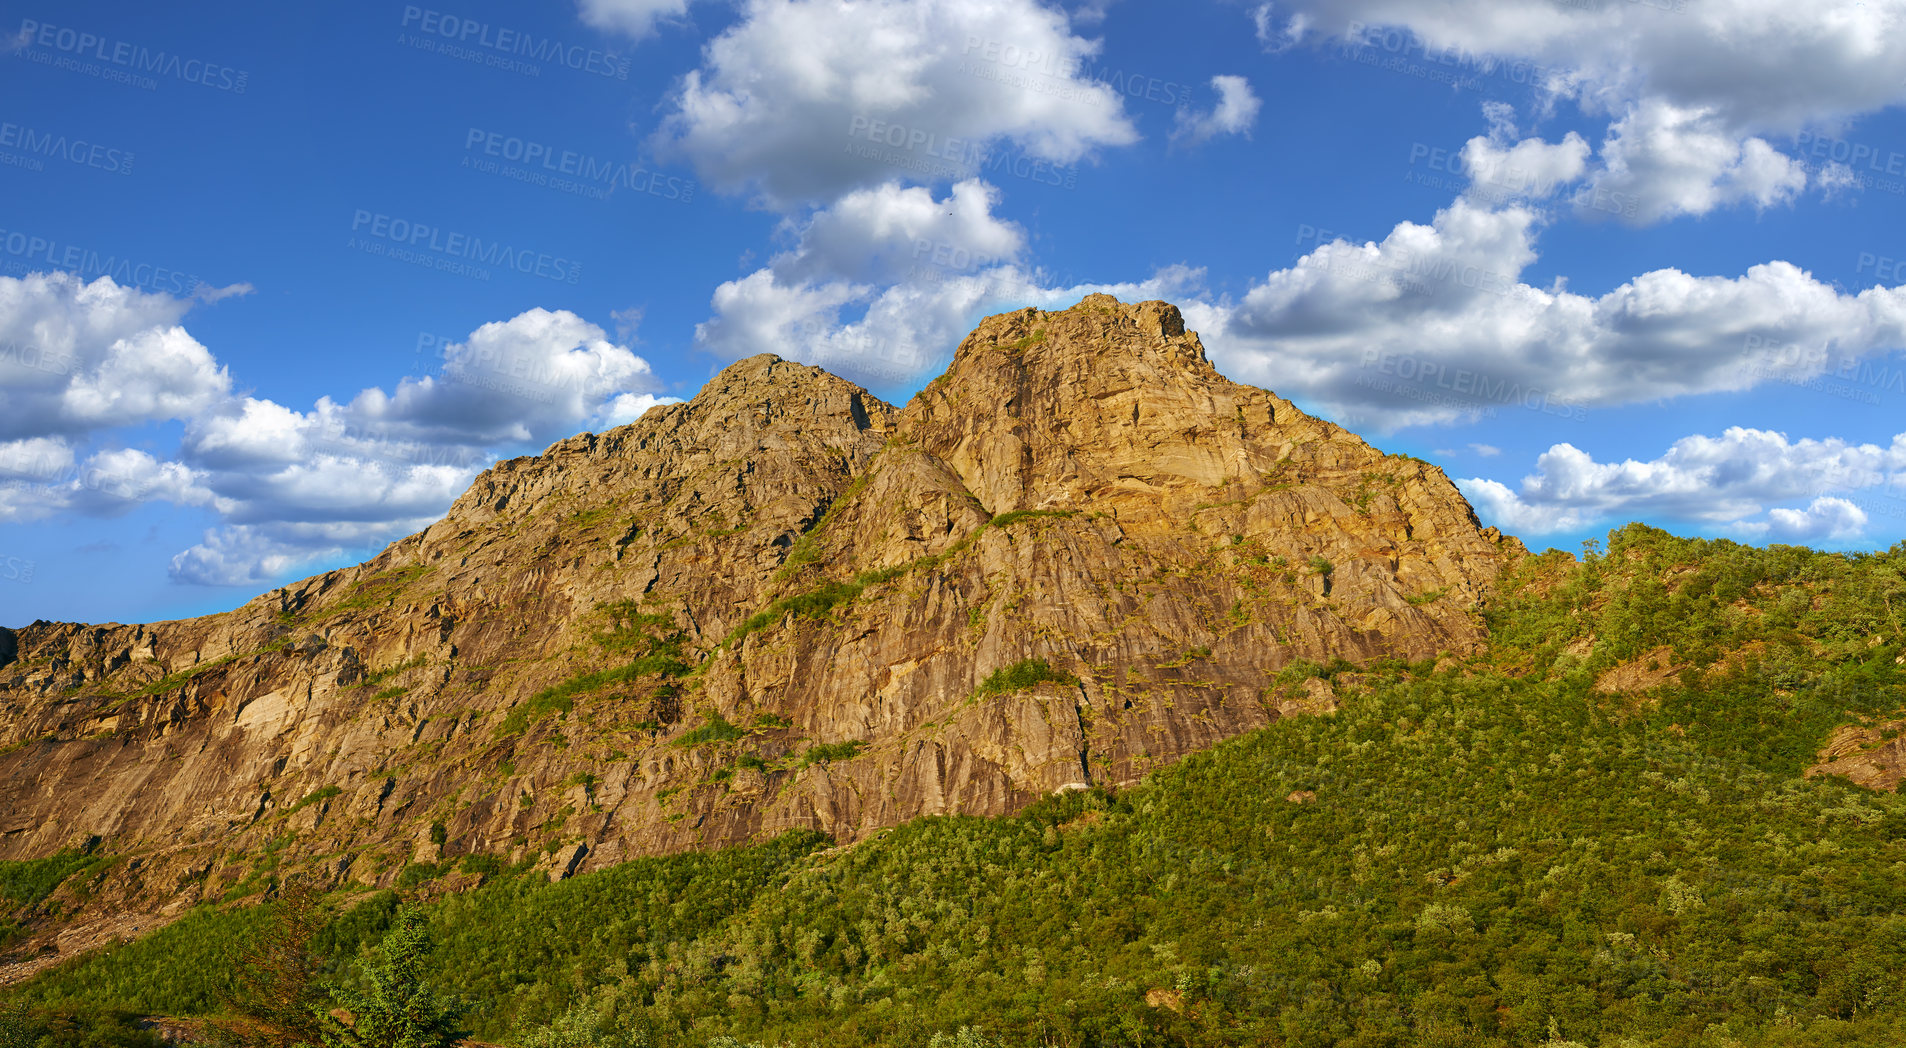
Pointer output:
x,y
399,1010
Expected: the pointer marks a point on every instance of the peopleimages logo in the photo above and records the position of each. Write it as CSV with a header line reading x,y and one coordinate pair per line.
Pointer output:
x,y
1473,386
23,253
453,252
36,358
540,164
136,58
453,31
73,150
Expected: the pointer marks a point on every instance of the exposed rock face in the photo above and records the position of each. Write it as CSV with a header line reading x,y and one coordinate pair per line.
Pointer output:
x,y
1872,756
630,643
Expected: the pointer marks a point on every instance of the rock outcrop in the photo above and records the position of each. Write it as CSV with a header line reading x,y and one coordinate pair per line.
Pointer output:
x,y
1079,554
1873,756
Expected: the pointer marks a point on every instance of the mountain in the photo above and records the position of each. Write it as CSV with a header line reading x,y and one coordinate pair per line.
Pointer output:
x,y
1079,555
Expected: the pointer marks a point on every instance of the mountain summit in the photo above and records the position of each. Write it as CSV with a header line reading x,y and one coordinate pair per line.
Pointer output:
x,y
1078,555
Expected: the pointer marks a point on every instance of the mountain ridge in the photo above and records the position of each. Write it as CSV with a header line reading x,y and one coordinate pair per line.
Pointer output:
x,y
1078,555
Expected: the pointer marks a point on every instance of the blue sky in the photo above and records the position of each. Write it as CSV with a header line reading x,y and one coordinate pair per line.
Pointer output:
x,y
275,283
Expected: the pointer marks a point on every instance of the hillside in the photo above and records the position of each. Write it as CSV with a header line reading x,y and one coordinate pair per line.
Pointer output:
x,y
1595,830
1078,556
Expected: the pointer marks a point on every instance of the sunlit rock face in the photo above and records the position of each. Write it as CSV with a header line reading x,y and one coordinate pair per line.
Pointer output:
x,y
1079,554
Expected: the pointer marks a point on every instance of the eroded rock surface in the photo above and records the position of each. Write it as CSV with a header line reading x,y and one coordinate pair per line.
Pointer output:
x,y
1873,756
634,642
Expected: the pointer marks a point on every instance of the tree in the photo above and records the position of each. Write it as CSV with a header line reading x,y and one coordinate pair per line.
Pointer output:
x,y
967,1037
273,991
583,1026
399,1010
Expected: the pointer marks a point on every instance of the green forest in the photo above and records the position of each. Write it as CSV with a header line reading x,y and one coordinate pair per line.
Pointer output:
x,y
1486,851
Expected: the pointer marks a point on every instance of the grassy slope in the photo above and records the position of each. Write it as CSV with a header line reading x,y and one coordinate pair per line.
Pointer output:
x,y
1495,855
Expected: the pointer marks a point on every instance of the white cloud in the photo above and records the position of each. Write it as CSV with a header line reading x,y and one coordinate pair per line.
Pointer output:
x,y
887,233
1235,112
628,407
526,378
1434,324
78,357
906,331
634,18
1501,172
295,487
115,481
159,373
367,471
916,267
1090,12
1279,31
531,378
1486,450
1717,481
1661,161
1835,178
107,484
1692,91
881,287
783,98
77,360
1828,519
1756,62
35,458
260,555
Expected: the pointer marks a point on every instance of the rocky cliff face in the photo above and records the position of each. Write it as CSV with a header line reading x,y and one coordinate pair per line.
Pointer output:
x,y
1077,555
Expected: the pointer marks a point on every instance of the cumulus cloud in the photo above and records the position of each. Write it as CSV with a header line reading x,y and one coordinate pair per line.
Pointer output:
x,y
1090,12
1434,324
1661,161
625,408
78,360
1692,92
1503,170
1827,519
520,379
107,484
1234,113
259,555
804,100
880,287
529,378
915,267
369,470
1722,482
1431,324
887,233
888,338
78,357
35,458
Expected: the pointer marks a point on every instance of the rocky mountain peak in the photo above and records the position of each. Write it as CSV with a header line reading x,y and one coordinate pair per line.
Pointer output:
x,y
765,391
1108,402
1078,555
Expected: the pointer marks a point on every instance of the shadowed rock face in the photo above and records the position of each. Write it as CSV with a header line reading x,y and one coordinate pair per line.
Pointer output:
x,y
785,555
